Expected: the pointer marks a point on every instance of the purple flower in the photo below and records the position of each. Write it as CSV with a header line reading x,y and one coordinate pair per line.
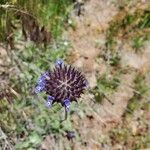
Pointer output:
x,y
42,78
59,62
50,100
39,88
63,85
41,83
67,104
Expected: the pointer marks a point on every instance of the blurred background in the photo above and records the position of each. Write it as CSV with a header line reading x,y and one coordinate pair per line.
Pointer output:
x,y
109,41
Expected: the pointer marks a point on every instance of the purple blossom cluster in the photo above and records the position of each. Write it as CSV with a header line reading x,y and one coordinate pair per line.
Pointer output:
x,y
64,84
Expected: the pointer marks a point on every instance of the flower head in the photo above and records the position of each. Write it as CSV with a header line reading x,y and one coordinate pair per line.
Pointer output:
x,y
41,83
63,85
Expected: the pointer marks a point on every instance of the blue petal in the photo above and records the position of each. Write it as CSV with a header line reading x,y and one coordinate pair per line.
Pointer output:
x,y
59,62
39,89
45,74
67,104
41,81
50,97
42,78
49,101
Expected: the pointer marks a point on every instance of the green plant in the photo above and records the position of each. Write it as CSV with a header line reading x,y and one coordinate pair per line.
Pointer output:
x,y
140,89
105,86
115,59
27,116
138,42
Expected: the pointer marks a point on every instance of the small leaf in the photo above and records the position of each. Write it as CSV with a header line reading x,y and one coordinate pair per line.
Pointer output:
x,y
34,138
22,145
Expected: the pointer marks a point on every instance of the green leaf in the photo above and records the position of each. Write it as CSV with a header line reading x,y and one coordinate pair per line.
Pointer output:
x,y
34,138
21,145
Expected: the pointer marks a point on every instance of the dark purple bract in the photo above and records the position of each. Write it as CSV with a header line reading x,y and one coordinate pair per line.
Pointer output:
x,y
63,85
